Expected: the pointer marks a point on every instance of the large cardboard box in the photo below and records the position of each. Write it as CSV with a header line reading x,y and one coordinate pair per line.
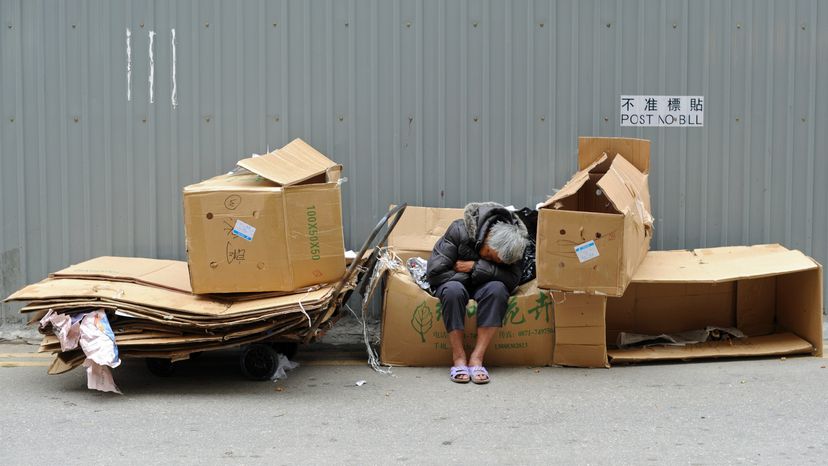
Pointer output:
x,y
274,226
772,294
595,231
413,332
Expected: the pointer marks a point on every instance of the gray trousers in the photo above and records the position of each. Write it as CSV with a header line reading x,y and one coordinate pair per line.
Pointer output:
x,y
491,297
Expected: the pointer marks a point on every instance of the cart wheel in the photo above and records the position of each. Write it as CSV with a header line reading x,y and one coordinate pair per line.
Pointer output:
x,y
288,349
259,362
160,367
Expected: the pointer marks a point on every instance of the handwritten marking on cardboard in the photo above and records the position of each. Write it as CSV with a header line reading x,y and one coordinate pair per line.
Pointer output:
x,y
244,230
233,253
232,201
661,110
586,251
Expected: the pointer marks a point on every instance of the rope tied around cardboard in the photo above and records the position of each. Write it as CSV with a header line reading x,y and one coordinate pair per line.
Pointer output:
x,y
302,308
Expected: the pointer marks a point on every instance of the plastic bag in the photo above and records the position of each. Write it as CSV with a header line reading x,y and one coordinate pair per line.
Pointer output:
x,y
285,365
417,268
97,339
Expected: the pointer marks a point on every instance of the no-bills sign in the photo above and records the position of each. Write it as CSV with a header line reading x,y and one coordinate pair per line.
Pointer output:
x,y
662,110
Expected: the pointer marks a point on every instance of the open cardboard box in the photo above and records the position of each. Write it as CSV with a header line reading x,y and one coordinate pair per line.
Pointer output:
x,y
772,294
275,226
595,231
413,333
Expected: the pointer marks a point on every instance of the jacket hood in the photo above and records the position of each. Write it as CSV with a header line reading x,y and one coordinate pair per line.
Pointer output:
x,y
478,217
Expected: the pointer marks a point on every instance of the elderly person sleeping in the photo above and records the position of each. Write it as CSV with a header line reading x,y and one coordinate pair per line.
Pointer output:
x,y
479,257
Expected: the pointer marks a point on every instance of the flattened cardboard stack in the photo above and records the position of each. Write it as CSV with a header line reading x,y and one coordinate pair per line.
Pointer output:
x,y
269,232
153,312
593,257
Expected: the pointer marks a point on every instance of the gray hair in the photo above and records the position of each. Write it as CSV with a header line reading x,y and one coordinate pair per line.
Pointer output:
x,y
508,241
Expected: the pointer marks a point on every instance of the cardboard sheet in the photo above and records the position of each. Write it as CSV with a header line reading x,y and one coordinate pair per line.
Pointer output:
x,y
292,164
778,344
168,274
420,227
721,264
160,298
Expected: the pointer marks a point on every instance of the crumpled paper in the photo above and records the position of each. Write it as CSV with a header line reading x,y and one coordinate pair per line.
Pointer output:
x,y
93,333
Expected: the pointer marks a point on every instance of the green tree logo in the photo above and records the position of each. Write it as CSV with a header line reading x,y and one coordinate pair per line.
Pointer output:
x,y
422,320
513,312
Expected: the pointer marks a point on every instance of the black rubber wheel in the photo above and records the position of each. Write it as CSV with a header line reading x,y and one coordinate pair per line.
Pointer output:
x,y
160,367
259,362
288,349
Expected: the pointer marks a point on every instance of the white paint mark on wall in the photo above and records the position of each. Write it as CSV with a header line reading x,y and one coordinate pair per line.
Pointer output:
x,y
174,95
129,63
151,67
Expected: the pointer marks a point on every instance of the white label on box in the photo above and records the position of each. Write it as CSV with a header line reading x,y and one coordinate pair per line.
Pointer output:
x,y
243,230
681,111
586,251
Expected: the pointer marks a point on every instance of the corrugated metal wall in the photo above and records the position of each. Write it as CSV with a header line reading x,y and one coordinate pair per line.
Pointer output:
x,y
430,102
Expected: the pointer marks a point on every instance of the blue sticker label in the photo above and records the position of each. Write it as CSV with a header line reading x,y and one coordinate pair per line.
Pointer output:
x,y
243,230
586,251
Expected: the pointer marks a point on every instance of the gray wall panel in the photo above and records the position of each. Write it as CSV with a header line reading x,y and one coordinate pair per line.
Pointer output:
x,y
425,101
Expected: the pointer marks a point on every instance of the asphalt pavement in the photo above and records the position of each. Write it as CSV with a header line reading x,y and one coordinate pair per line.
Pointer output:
x,y
766,411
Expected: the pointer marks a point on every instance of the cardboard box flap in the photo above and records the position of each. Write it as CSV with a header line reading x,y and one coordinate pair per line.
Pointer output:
x,y
778,344
636,151
574,184
721,264
168,274
626,188
419,228
292,164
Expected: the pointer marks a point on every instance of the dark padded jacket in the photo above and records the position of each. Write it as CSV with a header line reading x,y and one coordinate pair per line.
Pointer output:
x,y
463,240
